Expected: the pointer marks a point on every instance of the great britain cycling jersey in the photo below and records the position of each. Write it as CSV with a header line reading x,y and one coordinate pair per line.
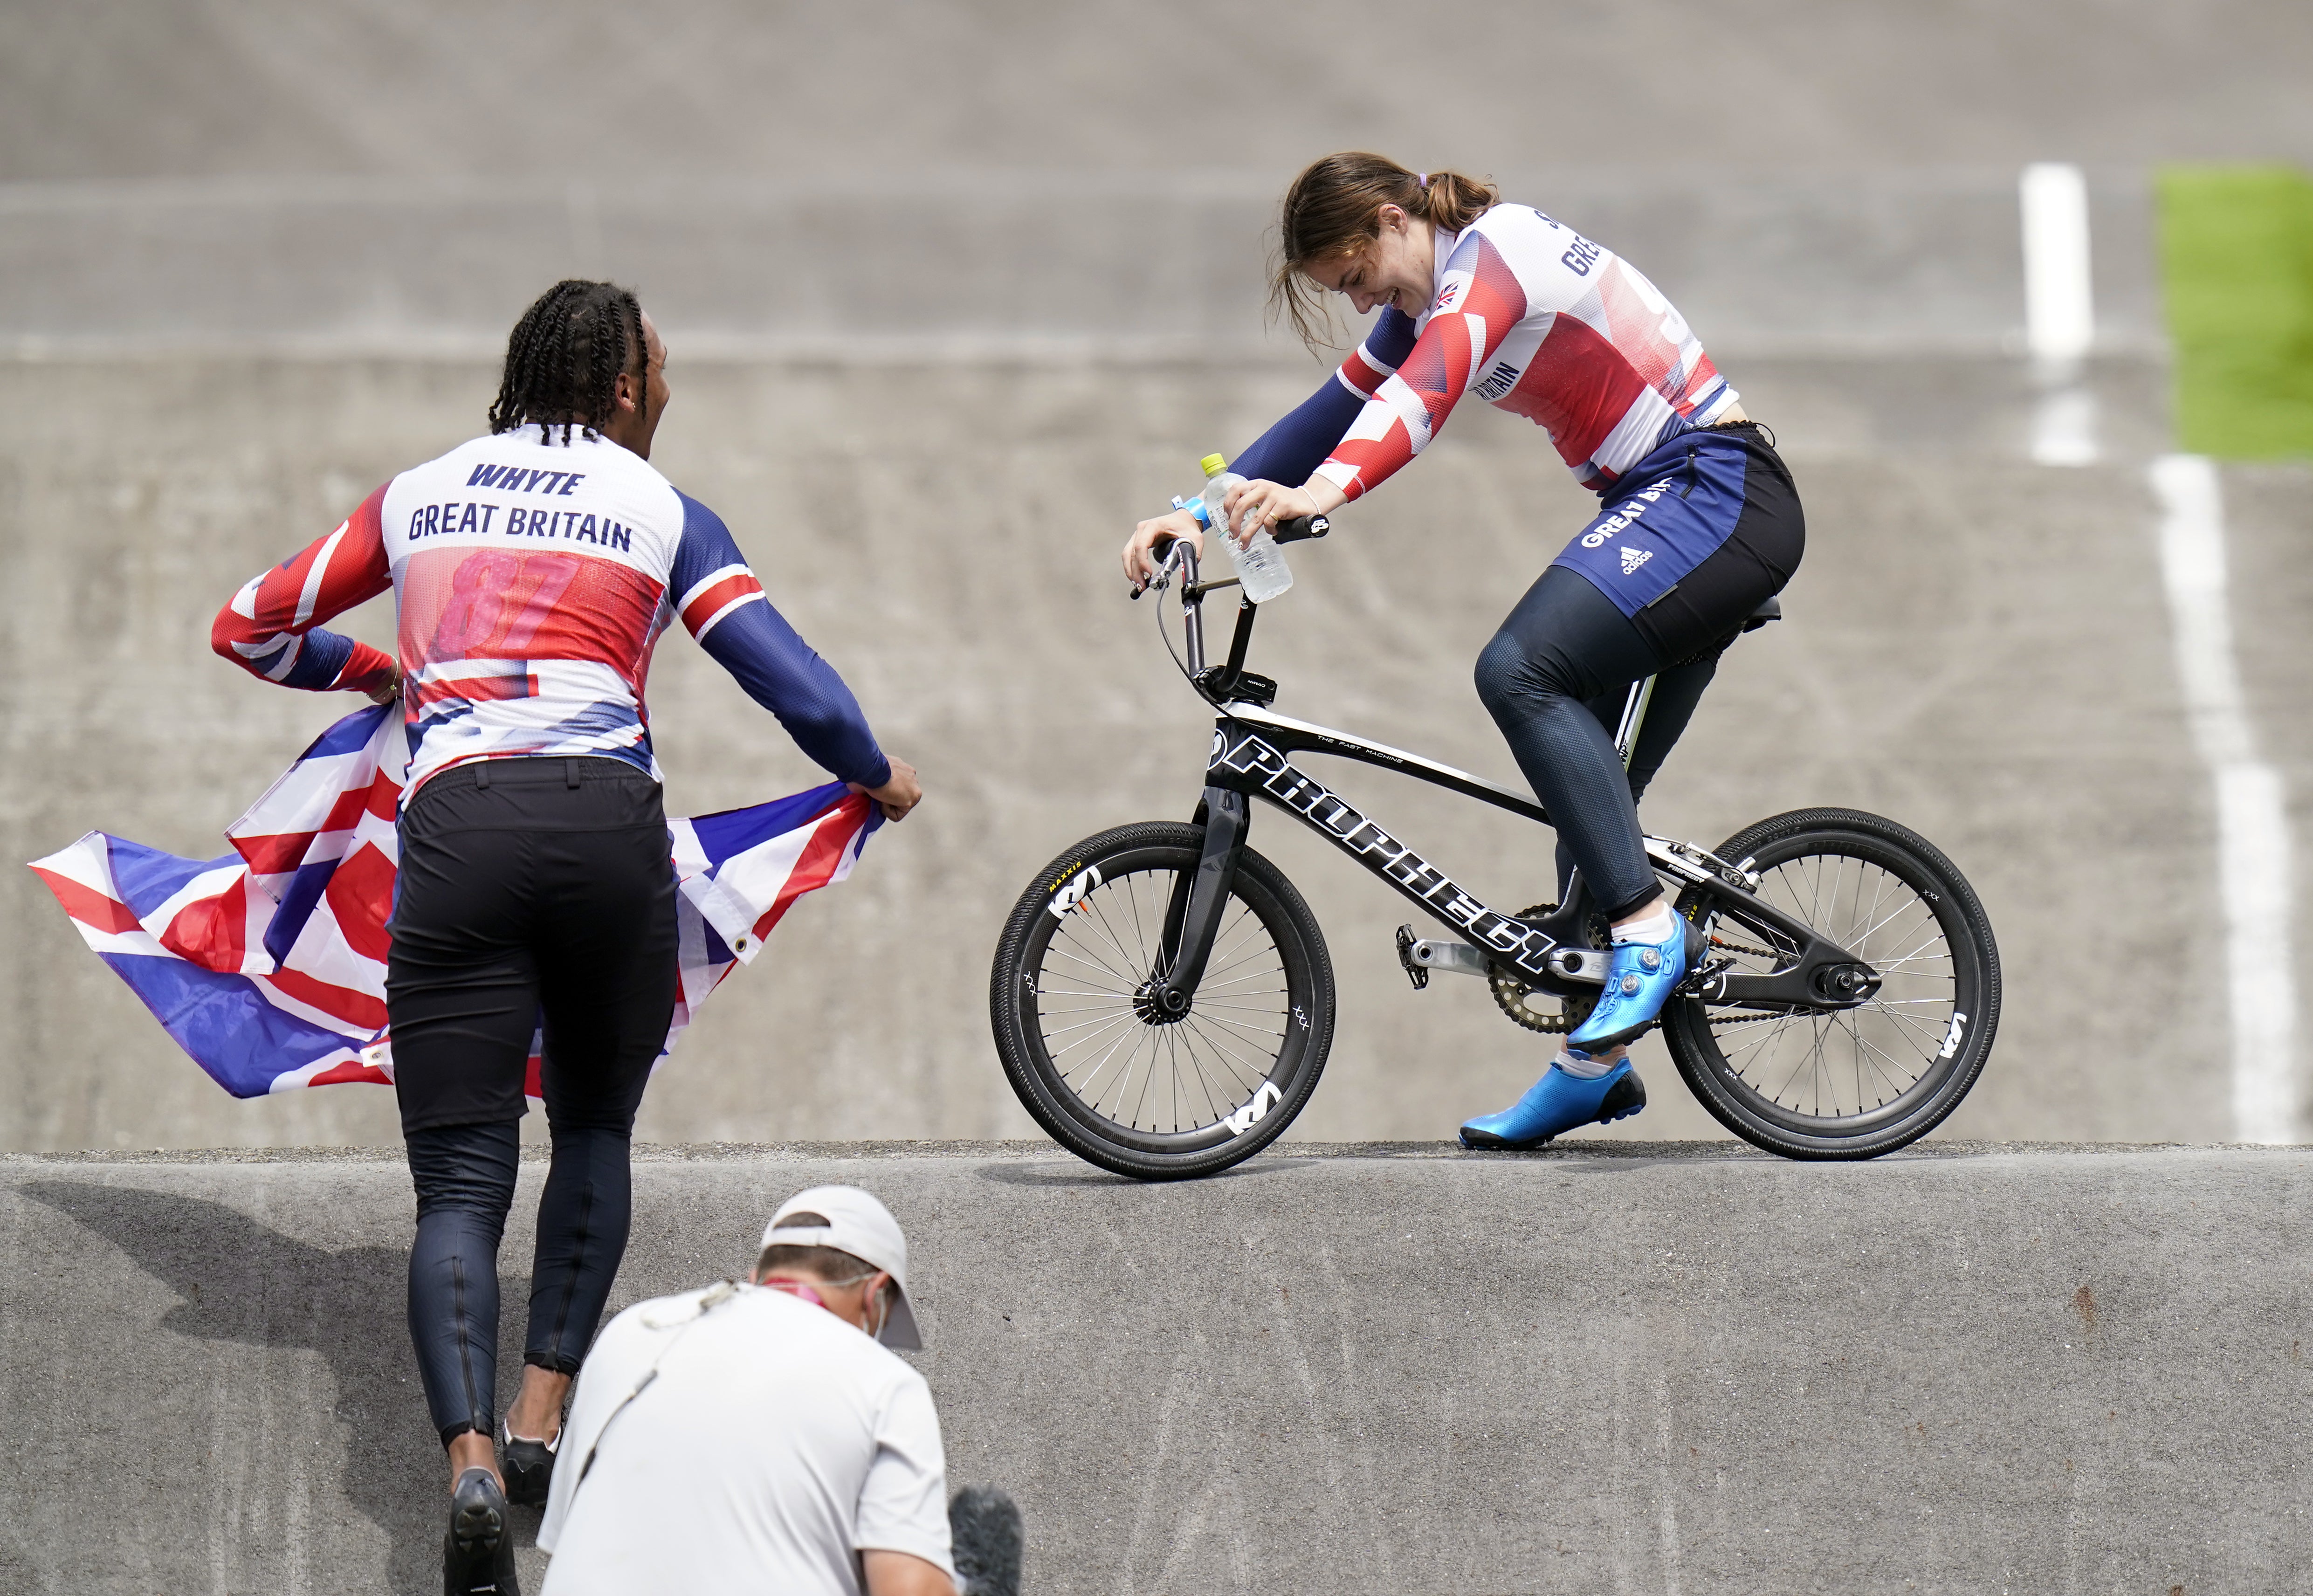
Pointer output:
x,y
1542,322
1539,321
532,580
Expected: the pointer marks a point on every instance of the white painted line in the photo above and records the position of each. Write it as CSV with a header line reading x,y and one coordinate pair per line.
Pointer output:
x,y
2059,300
2063,427
2255,877
2059,311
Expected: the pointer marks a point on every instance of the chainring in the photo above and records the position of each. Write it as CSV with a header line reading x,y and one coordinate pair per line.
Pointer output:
x,y
1511,992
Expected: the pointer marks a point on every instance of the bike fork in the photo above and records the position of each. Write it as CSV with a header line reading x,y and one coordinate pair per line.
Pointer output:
x,y
1192,918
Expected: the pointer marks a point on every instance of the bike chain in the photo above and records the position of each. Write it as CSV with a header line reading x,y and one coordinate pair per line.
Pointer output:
x,y
1719,1019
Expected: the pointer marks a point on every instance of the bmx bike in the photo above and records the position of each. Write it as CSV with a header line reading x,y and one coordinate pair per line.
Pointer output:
x,y
1162,1001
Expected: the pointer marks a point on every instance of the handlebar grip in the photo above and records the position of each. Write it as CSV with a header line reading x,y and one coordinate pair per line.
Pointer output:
x,y
1302,528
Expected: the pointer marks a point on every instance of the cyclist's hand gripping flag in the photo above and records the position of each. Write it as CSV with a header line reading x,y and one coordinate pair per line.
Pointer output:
x,y
268,964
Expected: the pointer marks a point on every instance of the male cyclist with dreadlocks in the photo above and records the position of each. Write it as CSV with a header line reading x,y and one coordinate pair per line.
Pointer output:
x,y
533,570
1700,524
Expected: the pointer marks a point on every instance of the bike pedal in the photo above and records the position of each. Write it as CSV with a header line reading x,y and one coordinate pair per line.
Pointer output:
x,y
1704,983
1418,974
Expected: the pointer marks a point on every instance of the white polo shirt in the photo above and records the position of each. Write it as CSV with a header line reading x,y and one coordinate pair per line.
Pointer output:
x,y
774,1444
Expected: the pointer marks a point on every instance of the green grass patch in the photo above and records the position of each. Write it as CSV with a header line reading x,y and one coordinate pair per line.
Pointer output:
x,y
2237,275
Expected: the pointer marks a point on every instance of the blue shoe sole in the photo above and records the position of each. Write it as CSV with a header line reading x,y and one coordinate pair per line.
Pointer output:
x,y
1625,1098
1619,1038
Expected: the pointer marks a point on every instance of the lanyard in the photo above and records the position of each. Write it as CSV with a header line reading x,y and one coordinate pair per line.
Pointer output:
x,y
715,1298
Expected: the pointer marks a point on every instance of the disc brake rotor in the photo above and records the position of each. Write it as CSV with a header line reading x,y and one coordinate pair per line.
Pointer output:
x,y
1537,1010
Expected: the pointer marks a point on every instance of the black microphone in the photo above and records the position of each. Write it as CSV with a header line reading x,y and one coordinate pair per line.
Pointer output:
x,y
984,1527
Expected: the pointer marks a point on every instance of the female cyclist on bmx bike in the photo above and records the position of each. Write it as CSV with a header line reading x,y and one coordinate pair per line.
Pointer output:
x,y
1700,528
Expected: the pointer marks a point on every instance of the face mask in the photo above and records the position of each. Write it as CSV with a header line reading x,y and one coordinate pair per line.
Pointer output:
x,y
797,1288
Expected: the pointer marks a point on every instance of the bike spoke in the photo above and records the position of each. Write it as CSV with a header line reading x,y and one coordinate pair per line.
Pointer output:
x,y
1159,1078
1212,1106
1226,958
1141,939
1095,962
1239,1065
1241,1025
1833,1065
1083,1040
1130,1036
1063,1030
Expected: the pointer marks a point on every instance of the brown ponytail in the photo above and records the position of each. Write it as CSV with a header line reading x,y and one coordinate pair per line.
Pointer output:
x,y
1335,207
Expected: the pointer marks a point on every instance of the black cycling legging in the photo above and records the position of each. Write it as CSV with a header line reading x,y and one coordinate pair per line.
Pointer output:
x,y
1555,675
531,892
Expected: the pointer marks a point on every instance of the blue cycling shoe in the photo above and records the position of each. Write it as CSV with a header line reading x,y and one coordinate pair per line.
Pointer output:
x,y
1638,982
1557,1104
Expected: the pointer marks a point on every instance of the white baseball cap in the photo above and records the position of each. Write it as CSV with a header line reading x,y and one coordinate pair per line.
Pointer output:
x,y
852,1220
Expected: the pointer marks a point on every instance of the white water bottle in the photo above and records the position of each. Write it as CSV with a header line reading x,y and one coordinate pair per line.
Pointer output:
x,y
1260,566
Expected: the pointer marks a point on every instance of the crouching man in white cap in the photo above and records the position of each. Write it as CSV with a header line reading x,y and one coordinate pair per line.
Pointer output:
x,y
760,1436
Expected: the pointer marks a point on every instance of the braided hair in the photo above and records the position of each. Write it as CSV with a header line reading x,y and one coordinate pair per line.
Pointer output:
x,y
565,355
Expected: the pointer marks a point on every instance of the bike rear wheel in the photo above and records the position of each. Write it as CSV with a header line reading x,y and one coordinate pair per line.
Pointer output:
x,y
1865,1080
1108,1079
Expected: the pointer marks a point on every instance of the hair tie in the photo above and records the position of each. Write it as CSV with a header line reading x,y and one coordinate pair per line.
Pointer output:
x,y
1425,179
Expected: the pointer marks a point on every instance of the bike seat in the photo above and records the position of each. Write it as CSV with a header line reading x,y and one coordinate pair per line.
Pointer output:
x,y
1771,609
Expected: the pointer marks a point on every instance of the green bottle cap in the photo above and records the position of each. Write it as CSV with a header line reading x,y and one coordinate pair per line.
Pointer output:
x,y
1212,464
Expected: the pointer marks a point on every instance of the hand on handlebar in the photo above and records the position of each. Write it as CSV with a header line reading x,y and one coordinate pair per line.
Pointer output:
x,y
1258,506
1143,551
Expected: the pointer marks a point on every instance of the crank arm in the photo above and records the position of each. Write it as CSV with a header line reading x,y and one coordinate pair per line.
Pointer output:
x,y
1420,955
1585,966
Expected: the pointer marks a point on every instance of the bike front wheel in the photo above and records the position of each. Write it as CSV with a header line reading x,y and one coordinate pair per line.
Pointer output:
x,y
1109,1077
1861,1082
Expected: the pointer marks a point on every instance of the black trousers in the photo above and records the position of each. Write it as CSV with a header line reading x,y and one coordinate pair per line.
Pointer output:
x,y
533,893
1555,676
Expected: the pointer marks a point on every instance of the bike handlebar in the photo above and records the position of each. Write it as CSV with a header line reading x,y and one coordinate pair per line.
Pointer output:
x,y
1300,529
1178,551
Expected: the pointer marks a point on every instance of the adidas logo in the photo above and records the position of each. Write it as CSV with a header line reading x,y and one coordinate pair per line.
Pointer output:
x,y
1632,558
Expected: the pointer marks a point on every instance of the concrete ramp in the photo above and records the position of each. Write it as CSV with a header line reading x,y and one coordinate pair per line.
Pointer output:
x,y
1152,265
1642,1367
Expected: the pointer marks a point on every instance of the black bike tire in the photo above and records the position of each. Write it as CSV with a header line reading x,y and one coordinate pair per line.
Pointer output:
x,y
1966,929
1263,890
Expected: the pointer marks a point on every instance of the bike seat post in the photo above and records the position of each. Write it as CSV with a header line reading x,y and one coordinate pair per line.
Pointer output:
x,y
1634,716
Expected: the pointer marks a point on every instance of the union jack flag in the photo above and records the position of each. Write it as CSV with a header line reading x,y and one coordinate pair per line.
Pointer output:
x,y
267,965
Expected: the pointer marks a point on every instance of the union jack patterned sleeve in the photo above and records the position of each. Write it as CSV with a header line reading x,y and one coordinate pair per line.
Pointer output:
x,y
271,629
1478,303
1291,451
723,606
1539,321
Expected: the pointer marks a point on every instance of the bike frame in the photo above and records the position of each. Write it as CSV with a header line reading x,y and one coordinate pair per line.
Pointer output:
x,y
1250,759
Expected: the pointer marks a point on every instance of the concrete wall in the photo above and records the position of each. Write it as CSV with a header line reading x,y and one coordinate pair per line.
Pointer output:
x,y
1648,1368
943,266
952,302
526,97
